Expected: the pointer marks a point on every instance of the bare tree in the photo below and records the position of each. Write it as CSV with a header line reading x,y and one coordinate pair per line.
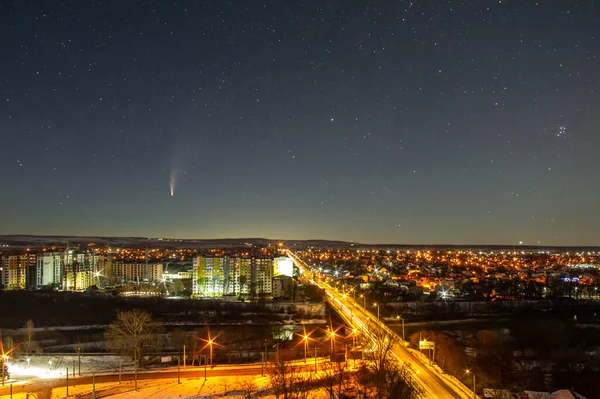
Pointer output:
x,y
30,346
248,388
383,377
338,380
133,333
289,382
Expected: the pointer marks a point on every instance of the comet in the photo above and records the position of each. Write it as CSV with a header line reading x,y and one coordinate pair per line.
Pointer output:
x,y
172,184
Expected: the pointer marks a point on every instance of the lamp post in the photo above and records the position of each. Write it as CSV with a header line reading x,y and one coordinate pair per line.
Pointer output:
x,y
364,300
315,357
398,317
467,371
4,358
210,344
355,331
305,346
332,338
377,305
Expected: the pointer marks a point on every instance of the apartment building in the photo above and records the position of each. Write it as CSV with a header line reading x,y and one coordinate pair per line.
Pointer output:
x,y
125,272
215,276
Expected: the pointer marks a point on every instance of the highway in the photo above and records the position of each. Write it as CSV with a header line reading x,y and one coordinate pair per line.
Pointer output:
x,y
432,383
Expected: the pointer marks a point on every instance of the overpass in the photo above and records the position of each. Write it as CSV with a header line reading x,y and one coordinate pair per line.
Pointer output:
x,y
431,382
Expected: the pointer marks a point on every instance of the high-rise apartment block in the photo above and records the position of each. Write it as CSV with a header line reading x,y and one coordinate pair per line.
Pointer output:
x,y
4,271
50,269
215,276
18,268
126,272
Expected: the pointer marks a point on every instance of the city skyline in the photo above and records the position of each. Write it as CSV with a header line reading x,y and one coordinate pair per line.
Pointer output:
x,y
405,123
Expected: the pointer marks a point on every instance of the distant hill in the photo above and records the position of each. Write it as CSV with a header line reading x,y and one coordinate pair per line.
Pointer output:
x,y
19,241
22,241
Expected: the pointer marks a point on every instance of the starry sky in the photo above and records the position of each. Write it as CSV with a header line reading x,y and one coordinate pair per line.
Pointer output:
x,y
409,122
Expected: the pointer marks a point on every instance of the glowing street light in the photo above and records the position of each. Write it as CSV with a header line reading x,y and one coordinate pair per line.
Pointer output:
x,y
467,371
305,346
332,338
210,344
377,305
398,317
4,360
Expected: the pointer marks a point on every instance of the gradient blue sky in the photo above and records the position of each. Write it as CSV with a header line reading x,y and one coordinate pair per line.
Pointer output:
x,y
441,122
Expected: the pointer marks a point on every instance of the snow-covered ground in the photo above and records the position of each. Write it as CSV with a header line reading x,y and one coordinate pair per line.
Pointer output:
x,y
190,388
213,387
48,366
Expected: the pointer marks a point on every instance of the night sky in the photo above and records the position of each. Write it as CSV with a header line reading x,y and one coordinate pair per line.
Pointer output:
x,y
424,122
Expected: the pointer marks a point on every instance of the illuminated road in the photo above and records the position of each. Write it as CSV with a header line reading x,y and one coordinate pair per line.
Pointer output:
x,y
432,383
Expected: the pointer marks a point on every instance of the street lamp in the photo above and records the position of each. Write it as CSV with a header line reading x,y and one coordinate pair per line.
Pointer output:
x,y
376,304
210,344
467,371
364,300
332,337
355,331
4,360
398,317
305,346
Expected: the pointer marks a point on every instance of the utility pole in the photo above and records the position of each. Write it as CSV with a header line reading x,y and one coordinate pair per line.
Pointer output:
x,y
79,359
93,386
67,394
